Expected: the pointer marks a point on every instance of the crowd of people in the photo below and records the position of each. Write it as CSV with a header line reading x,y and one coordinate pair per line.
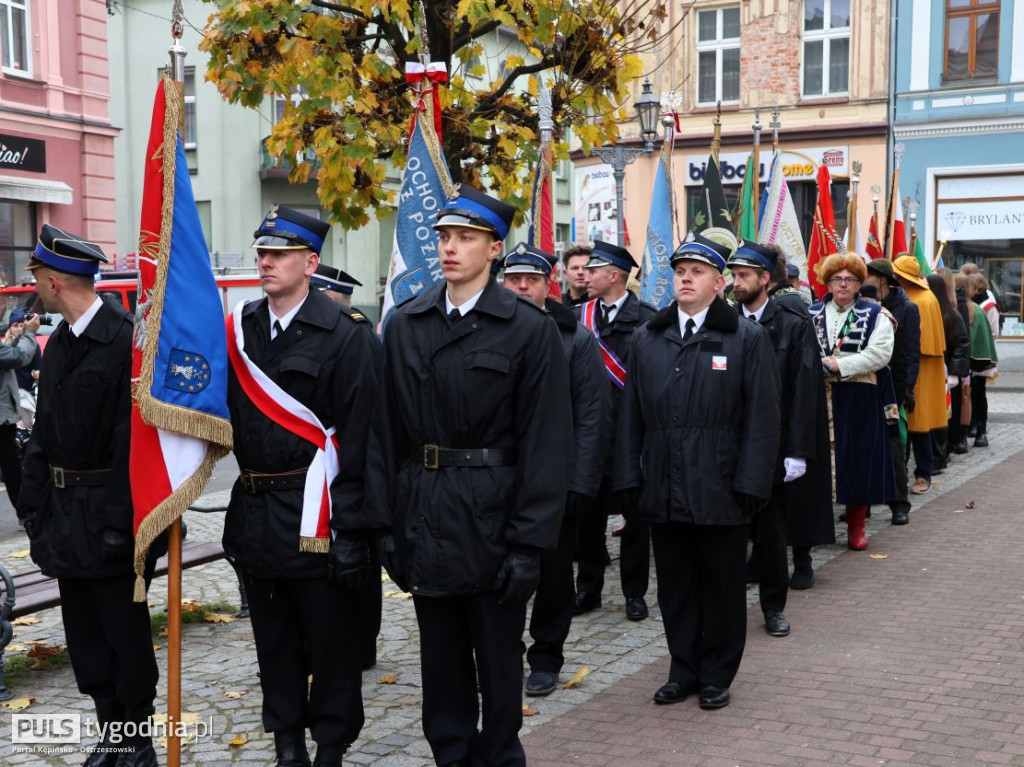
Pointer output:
x,y
477,448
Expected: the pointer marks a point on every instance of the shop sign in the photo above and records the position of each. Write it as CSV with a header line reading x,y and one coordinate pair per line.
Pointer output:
x,y
596,205
984,220
797,164
18,153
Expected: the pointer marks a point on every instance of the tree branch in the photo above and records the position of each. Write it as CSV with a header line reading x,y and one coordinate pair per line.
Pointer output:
x,y
486,104
339,8
464,38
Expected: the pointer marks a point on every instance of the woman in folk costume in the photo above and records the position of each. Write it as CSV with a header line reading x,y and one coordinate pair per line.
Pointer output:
x,y
930,391
983,354
856,341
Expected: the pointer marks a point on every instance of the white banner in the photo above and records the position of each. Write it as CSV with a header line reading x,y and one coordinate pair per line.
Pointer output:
x,y
595,205
797,164
985,220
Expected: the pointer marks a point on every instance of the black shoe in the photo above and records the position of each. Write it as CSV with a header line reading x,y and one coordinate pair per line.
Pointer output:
x,y
329,755
141,755
670,692
585,602
900,517
981,440
290,747
960,447
803,577
972,430
541,683
776,624
636,609
712,697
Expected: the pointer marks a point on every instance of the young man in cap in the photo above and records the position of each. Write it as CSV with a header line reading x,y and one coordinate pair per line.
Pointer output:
x,y
338,285
701,406
796,355
471,471
76,500
527,271
304,376
612,314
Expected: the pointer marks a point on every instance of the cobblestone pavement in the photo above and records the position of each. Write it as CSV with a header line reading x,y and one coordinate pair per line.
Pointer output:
x,y
219,658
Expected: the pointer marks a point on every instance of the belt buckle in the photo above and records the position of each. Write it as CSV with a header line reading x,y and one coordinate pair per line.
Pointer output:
x,y
248,483
58,477
431,457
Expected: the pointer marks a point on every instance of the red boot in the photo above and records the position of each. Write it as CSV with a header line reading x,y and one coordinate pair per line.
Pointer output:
x,y
855,518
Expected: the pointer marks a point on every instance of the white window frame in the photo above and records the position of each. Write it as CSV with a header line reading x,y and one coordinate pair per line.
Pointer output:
x,y
716,46
7,7
825,35
190,146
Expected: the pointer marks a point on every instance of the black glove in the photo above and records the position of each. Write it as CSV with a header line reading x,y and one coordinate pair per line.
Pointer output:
x,y
750,504
908,402
517,577
29,523
116,545
349,561
577,504
386,552
628,502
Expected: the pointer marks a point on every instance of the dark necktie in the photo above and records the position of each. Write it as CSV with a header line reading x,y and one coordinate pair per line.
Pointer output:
x,y
454,315
605,316
278,330
752,318
690,326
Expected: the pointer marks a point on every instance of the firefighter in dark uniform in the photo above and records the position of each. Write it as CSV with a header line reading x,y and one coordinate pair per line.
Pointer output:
x,y
473,464
76,501
695,456
527,271
796,353
612,314
302,565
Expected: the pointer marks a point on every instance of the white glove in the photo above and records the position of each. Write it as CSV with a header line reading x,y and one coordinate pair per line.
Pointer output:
x,y
795,468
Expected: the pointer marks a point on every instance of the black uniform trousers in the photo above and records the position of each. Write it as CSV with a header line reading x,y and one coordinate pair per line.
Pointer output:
x,y
554,602
10,461
702,594
901,502
302,627
369,609
635,549
110,641
768,532
468,643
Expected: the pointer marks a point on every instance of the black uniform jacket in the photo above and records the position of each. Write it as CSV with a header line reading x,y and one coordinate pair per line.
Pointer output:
x,y
700,418
495,379
591,401
329,359
799,365
906,350
82,423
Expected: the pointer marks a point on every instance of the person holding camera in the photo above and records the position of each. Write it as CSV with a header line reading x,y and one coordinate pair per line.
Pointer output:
x,y
17,350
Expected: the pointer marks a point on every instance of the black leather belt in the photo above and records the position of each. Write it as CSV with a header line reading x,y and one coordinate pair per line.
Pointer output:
x,y
436,457
71,477
255,482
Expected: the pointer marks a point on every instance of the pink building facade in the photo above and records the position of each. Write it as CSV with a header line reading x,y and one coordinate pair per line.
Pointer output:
x,y
56,139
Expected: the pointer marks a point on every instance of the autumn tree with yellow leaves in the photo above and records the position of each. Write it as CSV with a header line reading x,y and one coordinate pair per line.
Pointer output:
x,y
348,61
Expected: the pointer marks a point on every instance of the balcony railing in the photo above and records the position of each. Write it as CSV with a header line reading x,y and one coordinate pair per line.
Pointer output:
x,y
271,167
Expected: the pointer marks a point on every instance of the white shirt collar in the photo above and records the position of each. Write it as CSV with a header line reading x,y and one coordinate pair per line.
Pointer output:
x,y
698,319
83,322
287,319
757,314
465,308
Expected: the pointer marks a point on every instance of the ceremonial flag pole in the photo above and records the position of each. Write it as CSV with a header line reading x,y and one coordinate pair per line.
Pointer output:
x,y
851,211
755,191
873,247
893,209
542,218
713,209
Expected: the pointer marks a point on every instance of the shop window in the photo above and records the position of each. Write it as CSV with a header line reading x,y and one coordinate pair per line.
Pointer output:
x,y
972,39
15,33
1000,262
826,48
17,239
718,56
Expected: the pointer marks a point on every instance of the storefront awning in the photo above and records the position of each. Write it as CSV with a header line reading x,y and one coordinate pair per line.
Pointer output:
x,y
35,190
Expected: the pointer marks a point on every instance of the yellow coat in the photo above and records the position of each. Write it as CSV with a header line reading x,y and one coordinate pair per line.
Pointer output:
x,y
930,390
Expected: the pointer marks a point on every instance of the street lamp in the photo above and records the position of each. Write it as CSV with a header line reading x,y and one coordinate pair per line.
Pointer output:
x,y
647,108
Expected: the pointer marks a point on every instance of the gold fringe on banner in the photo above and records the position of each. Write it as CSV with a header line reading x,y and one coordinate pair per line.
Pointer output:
x,y
425,122
314,545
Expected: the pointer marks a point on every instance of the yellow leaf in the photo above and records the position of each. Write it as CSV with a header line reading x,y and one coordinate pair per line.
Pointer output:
x,y
17,704
35,641
15,648
384,577
879,556
234,695
19,554
157,647
576,678
398,594
239,740
25,620
529,710
218,618
42,650
388,679
958,511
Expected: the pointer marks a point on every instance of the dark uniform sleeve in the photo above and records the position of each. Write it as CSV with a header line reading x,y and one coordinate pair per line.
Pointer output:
x,y
805,367
629,436
34,470
357,376
591,404
761,417
544,439
912,324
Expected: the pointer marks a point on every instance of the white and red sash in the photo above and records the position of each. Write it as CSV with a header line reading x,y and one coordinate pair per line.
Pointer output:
x,y
612,364
286,411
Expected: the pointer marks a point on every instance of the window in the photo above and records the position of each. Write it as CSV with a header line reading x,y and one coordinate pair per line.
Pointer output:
x,y
718,56
279,102
17,239
972,39
826,47
14,37
190,108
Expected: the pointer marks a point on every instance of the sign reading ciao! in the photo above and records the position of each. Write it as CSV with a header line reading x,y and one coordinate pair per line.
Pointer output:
x,y
20,153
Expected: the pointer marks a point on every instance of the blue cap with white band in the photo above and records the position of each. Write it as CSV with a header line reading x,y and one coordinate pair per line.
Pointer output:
x,y
66,252
284,228
526,259
697,248
753,254
475,210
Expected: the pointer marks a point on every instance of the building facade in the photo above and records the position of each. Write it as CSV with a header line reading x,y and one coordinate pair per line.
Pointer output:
x,y
56,137
959,116
823,64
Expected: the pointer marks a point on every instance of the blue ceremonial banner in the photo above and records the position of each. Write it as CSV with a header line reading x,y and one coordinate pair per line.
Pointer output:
x,y
656,274
426,187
